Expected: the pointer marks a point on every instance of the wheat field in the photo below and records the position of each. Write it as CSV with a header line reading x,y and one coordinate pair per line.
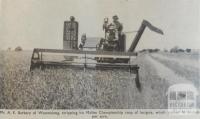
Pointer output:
x,y
93,89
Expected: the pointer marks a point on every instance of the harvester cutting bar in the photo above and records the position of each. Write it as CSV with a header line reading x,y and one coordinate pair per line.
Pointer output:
x,y
90,65
85,59
114,53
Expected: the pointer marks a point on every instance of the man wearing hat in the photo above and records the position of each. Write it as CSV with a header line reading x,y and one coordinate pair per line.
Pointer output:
x,y
120,36
117,24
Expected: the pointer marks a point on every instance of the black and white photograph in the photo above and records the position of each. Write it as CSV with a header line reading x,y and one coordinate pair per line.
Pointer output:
x,y
99,54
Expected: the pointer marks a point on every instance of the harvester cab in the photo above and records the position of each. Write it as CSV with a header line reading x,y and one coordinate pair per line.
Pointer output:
x,y
110,52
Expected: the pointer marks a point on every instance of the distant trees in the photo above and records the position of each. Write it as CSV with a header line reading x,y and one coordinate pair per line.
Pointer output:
x,y
181,50
149,50
18,48
156,50
176,49
188,50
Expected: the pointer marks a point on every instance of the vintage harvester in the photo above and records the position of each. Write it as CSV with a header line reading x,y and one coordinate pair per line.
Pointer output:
x,y
110,53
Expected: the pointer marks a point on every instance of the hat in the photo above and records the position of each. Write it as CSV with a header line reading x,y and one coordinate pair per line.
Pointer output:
x,y
115,17
72,18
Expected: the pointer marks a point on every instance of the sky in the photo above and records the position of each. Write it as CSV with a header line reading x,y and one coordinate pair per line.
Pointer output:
x,y
39,23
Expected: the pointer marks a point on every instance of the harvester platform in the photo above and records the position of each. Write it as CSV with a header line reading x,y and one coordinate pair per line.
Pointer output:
x,y
81,59
77,59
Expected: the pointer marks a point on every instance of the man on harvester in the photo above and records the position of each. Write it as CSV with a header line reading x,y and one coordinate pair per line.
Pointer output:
x,y
118,26
114,38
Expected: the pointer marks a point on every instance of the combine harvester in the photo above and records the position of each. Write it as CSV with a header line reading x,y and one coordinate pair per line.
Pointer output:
x,y
108,54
